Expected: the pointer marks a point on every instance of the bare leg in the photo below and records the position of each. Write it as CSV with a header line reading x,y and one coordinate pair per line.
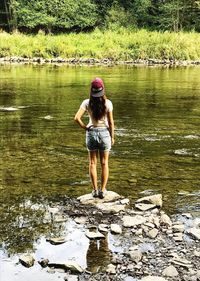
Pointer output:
x,y
104,155
93,168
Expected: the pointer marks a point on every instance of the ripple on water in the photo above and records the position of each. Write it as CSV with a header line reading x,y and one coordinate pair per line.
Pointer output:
x,y
185,152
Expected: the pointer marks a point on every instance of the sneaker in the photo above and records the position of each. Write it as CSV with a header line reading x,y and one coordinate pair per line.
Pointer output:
x,y
95,193
102,194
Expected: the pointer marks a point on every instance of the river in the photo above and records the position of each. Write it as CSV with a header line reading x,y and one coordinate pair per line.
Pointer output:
x,y
43,155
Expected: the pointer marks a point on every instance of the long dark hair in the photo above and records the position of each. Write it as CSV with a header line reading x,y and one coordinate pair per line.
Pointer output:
x,y
97,107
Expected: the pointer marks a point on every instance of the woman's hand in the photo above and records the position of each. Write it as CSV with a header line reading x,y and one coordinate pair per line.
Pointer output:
x,y
112,141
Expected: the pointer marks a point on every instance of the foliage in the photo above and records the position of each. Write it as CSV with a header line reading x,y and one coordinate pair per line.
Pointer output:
x,y
70,15
50,14
121,44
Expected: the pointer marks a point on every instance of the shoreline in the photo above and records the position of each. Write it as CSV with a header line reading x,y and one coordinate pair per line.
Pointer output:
x,y
100,62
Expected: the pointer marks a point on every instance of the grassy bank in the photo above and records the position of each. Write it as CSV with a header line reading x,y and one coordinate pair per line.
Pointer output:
x,y
117,45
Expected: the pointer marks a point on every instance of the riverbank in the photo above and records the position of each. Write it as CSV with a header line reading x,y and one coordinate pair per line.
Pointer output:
x,y
129,242
108,47
93,61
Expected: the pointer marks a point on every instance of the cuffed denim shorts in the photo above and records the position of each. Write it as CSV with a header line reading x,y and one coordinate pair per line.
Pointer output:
x,y
98,139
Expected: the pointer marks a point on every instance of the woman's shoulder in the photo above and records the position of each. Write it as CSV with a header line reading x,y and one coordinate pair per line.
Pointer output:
x,y
85,103
109,105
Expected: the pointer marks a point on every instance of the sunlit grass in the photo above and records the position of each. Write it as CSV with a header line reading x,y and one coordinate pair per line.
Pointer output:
x,y
122,44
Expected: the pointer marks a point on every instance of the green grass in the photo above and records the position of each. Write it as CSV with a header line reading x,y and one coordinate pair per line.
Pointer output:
x,y
117,45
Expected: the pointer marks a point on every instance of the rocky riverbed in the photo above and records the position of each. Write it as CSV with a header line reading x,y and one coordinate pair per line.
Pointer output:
x,y
149,244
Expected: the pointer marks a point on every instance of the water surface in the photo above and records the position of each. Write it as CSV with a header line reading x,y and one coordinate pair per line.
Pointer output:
x,y
43,155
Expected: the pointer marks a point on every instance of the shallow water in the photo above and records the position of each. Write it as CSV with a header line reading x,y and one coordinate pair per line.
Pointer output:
x,y
43,155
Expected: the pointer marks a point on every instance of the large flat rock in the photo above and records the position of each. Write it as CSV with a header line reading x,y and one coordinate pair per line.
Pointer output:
x,y
110,196
112,202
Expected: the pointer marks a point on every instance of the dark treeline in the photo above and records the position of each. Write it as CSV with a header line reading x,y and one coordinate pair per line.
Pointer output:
x,y
85,15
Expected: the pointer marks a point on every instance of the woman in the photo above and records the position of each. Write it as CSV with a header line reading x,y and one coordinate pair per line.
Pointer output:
x,y
99,133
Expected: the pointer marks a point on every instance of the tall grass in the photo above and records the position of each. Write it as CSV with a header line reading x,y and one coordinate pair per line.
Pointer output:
x,y
117,45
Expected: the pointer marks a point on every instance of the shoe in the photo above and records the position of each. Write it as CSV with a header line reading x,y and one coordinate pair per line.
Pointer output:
x,y
95,193
102,193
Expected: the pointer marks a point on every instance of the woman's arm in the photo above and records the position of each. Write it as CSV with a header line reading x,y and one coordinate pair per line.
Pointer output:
x,y
78,117
111,126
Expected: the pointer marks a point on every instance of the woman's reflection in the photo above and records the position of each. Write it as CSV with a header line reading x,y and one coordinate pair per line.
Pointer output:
x,y
98,255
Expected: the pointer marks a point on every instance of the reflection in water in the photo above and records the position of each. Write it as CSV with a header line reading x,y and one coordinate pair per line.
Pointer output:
x,y
98,255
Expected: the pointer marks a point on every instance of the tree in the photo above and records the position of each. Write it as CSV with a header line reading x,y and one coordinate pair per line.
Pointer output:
x,y
52,14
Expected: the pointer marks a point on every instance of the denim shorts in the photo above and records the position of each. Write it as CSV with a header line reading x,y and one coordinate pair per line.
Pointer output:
x,y
98,139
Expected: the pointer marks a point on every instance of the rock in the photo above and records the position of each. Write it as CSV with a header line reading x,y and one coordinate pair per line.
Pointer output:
x,y
89,199
80,220
170,271
56,241
115,228
139,232
70,265
125,201
71,278
111,207
153,278
194,232
44,263
27,260
165,220
130,221
178,228
154,220
103,227
149,224
198,275
197,253
111,268
187,215
144,207
152,199
197,222
60,218
94,235
181,262
135,256
54,210
178,237
152,233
